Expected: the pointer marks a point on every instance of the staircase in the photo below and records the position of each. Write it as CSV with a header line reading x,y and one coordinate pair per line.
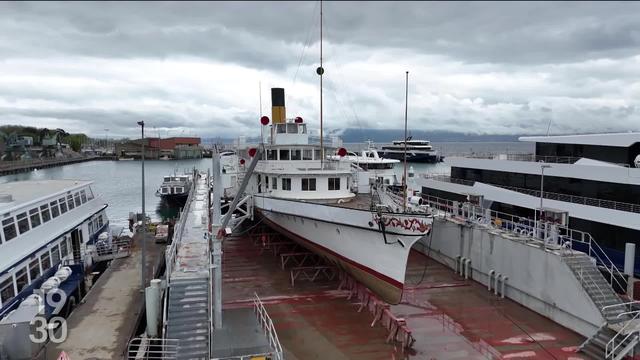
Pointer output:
x,y
611,307
188,317
596,286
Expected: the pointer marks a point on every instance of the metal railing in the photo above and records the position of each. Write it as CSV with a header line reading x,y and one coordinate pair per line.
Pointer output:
x,y
546,235
583,200
142,348
627,333
529,157
267,327
120,247
172,251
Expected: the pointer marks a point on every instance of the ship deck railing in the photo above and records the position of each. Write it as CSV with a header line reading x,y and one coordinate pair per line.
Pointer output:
x,y
582,200
172,252
528,157
548,236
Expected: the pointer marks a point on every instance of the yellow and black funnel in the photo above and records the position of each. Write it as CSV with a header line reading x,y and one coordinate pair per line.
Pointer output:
x,y
278,111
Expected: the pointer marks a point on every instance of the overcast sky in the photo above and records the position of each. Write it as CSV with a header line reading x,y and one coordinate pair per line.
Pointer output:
x,y
194,68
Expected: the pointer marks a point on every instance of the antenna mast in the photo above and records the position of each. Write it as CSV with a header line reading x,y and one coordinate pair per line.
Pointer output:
x,y
320,71
404,177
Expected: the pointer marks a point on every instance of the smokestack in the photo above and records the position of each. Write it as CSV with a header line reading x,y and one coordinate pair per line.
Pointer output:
x,y
278,111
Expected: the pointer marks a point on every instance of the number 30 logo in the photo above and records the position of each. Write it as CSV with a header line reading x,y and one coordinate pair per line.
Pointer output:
x,y
45,331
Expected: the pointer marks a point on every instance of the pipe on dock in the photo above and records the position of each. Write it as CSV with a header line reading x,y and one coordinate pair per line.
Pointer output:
x,y
629,258
458,261
498,277
491,273
504,281
152,301
467,268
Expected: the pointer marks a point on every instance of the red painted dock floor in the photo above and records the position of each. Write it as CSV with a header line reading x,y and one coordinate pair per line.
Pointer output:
x,y
451,318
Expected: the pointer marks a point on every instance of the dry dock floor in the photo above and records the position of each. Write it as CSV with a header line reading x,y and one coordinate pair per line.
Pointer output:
x,y
100,328
451,318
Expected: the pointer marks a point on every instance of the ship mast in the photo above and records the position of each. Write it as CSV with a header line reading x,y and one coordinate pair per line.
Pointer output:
x,y
404,177
320,71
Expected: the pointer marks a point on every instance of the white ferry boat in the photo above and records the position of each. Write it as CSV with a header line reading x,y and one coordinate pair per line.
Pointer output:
x,y
370,168
175,188
47,226
594,178
419,151
311,200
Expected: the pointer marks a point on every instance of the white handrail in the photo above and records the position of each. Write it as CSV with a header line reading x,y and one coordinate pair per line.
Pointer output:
x,y
524,226
267,327
611,347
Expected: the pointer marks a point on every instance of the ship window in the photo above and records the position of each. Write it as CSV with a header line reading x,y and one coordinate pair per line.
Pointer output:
x,y
83,196
46,215
309,184
21,279
292,128
23,223
34,214
167,179
284,154
89,194
70,202
45,261
34,269
274,183
100,223
281,129
55,254
9,229
307,154
179,190
316,154
266,182
296,155
63,206
7,291
272,155
77,199
55,211
334,183
64,251
286,184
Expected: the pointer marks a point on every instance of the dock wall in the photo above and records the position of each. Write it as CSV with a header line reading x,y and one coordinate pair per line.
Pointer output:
x,y
537,279
20,166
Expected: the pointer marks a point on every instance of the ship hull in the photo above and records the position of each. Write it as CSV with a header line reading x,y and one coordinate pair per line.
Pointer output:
x,y
350,239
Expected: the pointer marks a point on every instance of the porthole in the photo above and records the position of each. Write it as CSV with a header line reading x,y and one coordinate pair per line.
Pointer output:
x,y
370,224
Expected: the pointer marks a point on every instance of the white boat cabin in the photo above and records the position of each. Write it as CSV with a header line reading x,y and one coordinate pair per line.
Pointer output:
x,y
44,224
292,168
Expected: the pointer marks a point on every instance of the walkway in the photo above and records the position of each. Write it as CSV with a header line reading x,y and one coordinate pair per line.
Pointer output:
x,y
101,327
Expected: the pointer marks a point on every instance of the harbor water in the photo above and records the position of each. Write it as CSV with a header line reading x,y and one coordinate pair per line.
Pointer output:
x,y
118,182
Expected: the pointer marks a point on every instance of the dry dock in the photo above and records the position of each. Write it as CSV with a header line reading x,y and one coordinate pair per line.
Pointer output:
x,y
451,318
101,327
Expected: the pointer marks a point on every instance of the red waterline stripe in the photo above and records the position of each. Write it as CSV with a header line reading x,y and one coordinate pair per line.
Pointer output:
x,y
380,276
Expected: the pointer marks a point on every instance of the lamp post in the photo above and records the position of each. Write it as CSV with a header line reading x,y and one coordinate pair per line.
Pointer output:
x,y
542,167
144,218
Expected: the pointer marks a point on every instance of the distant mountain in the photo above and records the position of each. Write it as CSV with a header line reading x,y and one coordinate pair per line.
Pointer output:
x,y
351,135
